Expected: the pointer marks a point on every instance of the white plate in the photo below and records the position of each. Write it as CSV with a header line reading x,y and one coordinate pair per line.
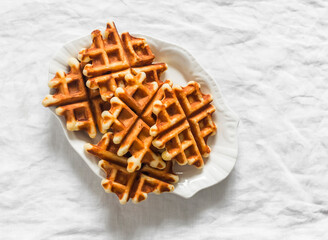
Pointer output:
x,y
182,67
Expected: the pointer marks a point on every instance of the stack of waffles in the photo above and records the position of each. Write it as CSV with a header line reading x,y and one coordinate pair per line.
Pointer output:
x,y
146,124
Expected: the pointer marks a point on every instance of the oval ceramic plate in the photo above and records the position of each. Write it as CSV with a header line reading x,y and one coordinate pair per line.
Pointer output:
x,y
182,67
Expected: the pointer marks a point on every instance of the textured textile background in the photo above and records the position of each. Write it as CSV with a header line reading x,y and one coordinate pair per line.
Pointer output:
x,y
270,59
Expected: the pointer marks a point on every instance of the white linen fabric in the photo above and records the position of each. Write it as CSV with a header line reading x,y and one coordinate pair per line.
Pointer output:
x,y
270,61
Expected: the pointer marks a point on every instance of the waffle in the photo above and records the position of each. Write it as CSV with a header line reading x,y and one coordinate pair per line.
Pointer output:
x,y
153,180
70,93
105,54
137,50
105,57
93,93
128,185
137,92
136,145
98,106
199,110
147,115
153,71
180,145
172,131
78,117
68,87
136,185
108,83
119,118
106,149
168,111
123,153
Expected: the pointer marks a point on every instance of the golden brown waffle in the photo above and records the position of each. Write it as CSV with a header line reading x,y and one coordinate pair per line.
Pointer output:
x,y
93,93
191,98
180,145
106,149
137,92
153,71
68,87
168,111
117,180
105,54
172,131
136,185
147,115
105,50
138,142
124,184
119,118
108,83
199,113
136,145
98,106
153,180
78,117
137,50
141,86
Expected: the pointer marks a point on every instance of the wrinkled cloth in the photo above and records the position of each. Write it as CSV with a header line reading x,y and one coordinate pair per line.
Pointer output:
x,y
270,61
